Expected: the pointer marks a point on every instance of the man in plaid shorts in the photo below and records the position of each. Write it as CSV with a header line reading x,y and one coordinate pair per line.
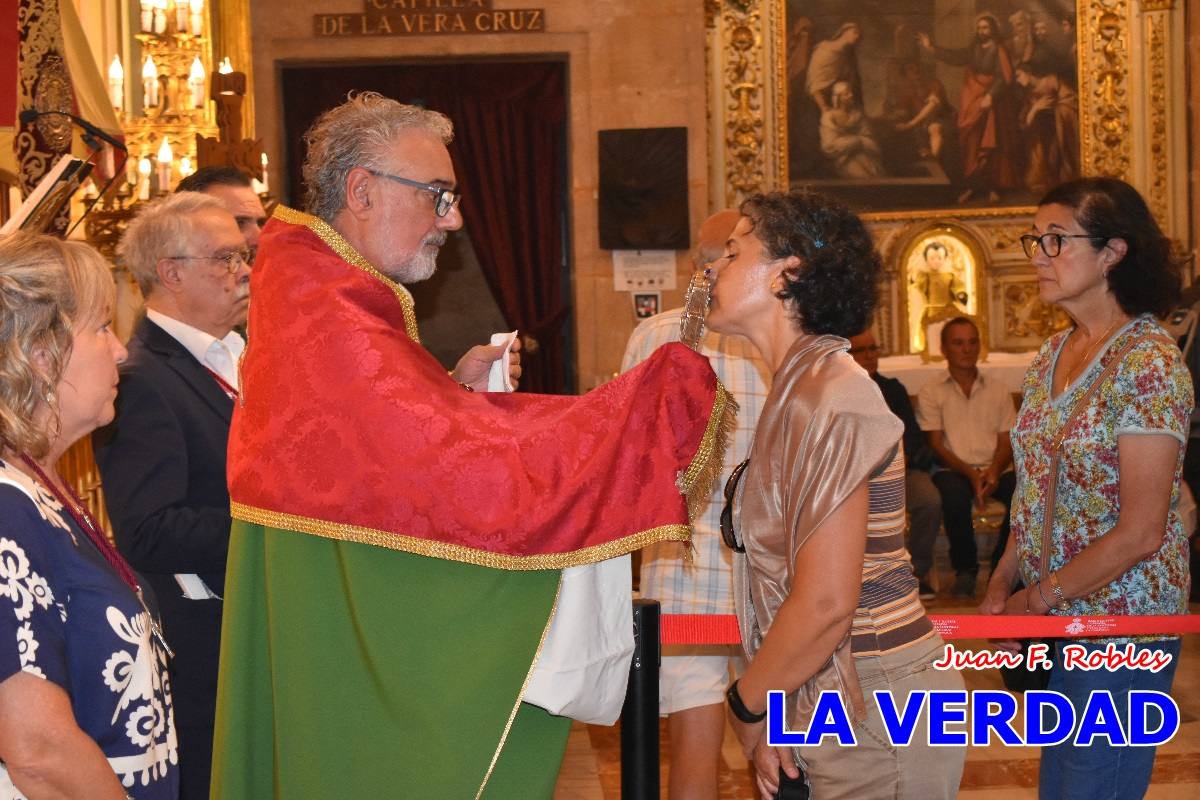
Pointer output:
x,y
694,678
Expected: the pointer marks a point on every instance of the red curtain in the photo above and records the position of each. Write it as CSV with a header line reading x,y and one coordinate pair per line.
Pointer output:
x,y
509,155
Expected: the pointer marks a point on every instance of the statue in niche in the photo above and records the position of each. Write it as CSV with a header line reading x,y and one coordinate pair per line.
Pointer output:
x,y
940,287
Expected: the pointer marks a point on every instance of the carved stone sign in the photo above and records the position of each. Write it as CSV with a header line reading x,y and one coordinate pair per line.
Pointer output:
x,y
430,18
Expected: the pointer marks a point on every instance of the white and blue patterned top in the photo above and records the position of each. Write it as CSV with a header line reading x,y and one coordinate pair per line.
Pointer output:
x,y
703,584
67,617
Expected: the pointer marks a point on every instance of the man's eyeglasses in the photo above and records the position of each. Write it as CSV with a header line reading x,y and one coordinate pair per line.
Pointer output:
x,y
866,348
727,533
233,261
446,198
1051,243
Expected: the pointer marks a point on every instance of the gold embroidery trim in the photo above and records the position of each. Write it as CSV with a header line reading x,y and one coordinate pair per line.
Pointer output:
x,y
452,552
521,695
347,253
696,483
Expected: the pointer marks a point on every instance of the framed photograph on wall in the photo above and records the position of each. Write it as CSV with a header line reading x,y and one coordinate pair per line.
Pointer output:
x,y
646,304
927,104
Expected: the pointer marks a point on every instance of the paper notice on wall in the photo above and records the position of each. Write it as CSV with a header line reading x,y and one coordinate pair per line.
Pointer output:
x,y
643,270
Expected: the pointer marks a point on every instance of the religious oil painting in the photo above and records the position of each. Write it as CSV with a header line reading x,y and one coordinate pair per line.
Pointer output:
x,y
931,104
941,280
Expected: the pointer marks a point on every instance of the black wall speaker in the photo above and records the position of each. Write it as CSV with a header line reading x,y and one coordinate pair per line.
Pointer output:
x,y
643,189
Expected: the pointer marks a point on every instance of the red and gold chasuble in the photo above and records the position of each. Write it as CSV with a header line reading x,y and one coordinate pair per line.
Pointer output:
x,y
348,428
395,556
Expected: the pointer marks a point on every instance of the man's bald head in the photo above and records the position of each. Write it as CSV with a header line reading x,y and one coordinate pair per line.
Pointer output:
x,y
711,238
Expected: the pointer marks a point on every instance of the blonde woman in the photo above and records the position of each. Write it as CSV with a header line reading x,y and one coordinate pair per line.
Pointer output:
x,y
85,707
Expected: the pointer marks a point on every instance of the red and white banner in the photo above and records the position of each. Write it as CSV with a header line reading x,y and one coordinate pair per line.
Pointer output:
x,y
723,629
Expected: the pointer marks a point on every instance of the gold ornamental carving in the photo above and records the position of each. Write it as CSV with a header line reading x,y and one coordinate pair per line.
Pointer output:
x,y
1156,47
1026,316
712,12
1104,55
1156,5
1006,238
745,168
43,84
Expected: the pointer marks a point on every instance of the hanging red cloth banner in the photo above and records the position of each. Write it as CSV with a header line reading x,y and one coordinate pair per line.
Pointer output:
x,y
9,41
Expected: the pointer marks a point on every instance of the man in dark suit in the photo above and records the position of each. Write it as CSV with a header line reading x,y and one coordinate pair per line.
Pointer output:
x,y
163,459
923,501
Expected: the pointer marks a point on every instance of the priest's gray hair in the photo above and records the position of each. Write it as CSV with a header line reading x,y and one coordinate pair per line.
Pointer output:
x,y
357,134
161,230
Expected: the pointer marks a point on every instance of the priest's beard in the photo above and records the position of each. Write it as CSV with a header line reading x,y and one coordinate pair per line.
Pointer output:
x,y
423,263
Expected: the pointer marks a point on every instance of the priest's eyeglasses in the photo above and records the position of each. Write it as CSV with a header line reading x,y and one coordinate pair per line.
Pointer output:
x,y
1051,243
728,535
446,198
233,261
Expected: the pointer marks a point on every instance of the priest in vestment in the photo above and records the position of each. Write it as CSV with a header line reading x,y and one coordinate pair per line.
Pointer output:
x,y
399,536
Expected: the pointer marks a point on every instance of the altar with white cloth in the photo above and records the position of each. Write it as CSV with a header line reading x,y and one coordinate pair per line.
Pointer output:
x,y
1008,368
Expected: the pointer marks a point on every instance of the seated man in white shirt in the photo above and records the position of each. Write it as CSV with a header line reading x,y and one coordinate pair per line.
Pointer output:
x,y
162,460
967,419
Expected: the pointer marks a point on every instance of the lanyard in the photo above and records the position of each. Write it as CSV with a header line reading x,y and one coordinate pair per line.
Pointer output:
x,y
229,391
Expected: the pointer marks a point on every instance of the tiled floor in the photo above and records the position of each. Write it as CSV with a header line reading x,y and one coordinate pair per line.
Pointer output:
x,y
591,769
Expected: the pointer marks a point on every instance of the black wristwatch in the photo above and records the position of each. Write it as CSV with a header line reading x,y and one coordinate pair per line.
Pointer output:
x,y
739,708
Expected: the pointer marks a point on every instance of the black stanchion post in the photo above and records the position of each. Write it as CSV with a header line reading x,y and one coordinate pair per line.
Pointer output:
x,y
639,715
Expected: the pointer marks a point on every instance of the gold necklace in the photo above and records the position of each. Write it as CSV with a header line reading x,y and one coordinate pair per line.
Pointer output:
x,y
1090,352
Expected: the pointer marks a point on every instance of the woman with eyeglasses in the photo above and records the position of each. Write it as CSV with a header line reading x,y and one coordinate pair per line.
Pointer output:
x,y
1098,446
826,597
85,703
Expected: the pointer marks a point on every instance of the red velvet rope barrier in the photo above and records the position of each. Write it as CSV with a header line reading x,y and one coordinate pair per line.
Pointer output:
x,y
723,629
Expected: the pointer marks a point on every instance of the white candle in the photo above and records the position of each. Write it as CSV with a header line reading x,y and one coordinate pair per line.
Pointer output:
x,y
197,16
181,16
144,184
116,84
185,167
196,76
149,83
266,184
165,156
147,21
160,16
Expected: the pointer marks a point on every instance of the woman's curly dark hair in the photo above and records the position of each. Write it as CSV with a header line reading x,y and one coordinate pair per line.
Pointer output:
x,y
837,286
1148,278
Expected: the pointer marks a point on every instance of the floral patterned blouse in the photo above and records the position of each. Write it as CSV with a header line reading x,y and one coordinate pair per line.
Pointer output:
x,y
1149,393
68,618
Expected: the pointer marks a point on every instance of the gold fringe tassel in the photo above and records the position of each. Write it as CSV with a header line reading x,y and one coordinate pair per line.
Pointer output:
x,y
696,483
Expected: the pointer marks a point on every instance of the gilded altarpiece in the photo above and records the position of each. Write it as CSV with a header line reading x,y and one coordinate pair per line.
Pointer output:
x,y
1130,63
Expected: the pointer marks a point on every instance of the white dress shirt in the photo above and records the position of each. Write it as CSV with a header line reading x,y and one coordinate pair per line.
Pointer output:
x,y
219,355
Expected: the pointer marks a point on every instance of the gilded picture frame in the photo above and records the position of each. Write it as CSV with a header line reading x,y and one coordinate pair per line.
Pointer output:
x,y
926,105
748,101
